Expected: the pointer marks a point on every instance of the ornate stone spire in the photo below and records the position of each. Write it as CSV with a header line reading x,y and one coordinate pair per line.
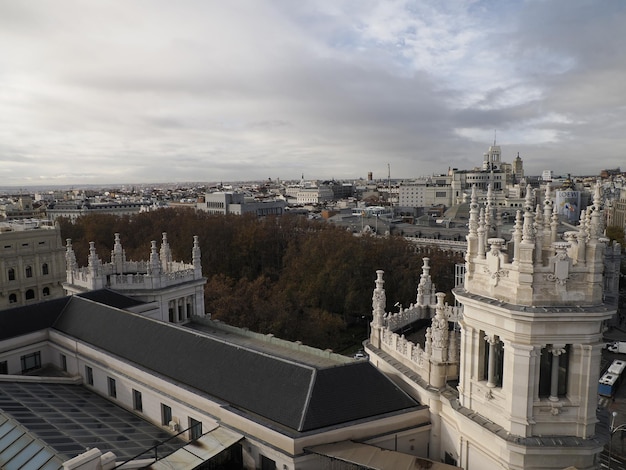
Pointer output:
x,y
547,206
154,265
425,285
489,206
482,233
596,228
93,262
472,236
439,331
196,256
528,231
473,213
517,236
165,254
539,227
379,300
70,256
92,259
118,257
554,224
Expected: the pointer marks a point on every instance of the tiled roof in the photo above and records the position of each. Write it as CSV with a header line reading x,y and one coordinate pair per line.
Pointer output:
x,y
30,318
298,396
111,298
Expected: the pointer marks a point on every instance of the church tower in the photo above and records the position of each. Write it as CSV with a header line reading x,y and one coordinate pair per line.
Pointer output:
x,y
531,340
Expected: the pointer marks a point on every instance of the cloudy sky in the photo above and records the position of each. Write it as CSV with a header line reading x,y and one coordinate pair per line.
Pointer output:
x,y
152,91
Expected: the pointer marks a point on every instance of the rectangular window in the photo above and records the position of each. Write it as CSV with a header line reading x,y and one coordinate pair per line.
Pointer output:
x,y
195,429
31,361
137,404
166,414
112,387
4,367
64,362
267,463
89,375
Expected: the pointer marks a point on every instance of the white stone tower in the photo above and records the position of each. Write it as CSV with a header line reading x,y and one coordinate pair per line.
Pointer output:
x,y
531,340
492,159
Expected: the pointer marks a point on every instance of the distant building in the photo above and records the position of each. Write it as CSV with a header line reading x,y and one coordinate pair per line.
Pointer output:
x,y
19,209
314,195
427,192
617,214
450,189
547,175
74,209
518,169
32,264
237,204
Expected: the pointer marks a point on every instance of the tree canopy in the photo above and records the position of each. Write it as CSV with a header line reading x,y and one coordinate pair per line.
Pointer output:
x,y
296,278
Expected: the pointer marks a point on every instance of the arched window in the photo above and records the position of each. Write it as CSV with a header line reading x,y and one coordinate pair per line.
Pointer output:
x,y
30,294
44,269
29,271
46,291
12,298
11,274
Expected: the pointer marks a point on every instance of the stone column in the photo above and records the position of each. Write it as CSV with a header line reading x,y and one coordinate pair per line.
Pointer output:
x,y
491,370
556,350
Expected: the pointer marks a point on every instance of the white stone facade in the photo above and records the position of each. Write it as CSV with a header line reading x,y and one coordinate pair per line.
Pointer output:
x,y
526,350
173,290
32,267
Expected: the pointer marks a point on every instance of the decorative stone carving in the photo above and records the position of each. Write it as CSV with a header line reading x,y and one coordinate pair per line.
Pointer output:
x,y
495,259
560,263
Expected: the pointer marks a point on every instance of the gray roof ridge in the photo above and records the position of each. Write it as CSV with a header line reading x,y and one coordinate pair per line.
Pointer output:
x,y
305,408
245,348
189,331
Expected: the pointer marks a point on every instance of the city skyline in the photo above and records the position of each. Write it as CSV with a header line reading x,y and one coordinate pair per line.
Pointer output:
x,y
99,93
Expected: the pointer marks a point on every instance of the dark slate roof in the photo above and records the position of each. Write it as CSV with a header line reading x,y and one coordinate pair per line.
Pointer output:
x,y
30,318
111,298
298,396
350,391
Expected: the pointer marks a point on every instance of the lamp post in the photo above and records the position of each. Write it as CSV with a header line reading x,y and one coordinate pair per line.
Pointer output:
x,y
612,430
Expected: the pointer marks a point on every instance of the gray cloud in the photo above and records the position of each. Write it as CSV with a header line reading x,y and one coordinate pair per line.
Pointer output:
x,y
194,90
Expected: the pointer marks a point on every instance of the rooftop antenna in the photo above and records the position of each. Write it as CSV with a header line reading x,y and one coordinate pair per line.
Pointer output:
x,y
494,137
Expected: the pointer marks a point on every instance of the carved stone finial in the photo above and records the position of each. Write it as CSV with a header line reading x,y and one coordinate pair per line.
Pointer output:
x,y
379,300
165,253
473,216
196,255
70,256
